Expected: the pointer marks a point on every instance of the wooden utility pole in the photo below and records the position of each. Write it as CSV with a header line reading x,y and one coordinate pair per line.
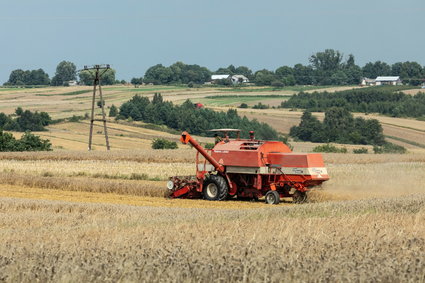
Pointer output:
x,y
99,71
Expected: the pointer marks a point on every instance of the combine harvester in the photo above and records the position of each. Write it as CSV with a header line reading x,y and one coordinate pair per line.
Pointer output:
x,y
249,169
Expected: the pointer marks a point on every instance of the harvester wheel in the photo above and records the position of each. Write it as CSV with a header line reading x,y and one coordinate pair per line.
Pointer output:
x,y
299,197
272,197
215,188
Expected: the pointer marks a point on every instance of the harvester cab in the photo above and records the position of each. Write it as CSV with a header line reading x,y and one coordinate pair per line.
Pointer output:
x,y
249,169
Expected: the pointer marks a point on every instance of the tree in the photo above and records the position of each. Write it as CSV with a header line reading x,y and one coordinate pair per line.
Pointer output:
x,y
283,71
309,128
137,81
16,77
339,78
243,70
339,126
108,78
373,70
264,77
329,60
158,74
33,77
87,77
303,75
65,71
113,111
28,142
409,72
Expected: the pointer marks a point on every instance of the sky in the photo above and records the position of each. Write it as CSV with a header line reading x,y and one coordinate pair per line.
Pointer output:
x,y
135,35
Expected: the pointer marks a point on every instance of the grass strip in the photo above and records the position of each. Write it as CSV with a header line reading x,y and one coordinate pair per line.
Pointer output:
x,y
406,141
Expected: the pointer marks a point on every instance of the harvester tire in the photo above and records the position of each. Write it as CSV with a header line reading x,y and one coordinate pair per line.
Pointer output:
x,y
215,188
299,197
272,197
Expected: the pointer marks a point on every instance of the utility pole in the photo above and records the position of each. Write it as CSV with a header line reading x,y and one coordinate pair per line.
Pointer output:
x,y
99,70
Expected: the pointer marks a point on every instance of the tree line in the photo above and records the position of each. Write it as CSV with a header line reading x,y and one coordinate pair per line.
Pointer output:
x,y
328,67
187,117
383,100
65,72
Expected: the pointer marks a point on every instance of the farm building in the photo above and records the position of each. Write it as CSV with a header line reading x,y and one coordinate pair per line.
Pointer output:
x,y
219,77
239,79
394,80
235,79
367,82
72,83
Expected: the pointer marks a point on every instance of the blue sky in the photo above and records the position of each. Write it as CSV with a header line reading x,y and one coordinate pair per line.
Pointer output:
x,y
134,35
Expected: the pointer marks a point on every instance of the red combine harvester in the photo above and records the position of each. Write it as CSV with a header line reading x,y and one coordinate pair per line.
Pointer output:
x,y
249,169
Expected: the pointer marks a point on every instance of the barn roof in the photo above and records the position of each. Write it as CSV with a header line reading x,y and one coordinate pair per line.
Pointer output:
x,y
219,77
387,79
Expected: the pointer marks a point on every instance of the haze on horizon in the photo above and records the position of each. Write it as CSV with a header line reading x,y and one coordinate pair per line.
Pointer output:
x,y
133,35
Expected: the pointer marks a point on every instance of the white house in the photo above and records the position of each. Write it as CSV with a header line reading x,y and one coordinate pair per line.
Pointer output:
x,y
239,79
72,83
394,80
367,82
235,79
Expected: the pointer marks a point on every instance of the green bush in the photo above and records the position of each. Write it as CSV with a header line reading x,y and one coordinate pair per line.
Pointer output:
x,y
329,148
243,105
389,148
75,118
260,106
360,150
209,146
28,142
163,144
25,121
113,111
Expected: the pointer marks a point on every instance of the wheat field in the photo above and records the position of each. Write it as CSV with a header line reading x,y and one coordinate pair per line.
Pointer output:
x,y
379,240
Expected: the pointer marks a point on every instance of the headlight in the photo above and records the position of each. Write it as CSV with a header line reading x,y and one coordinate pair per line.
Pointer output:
x,y
170,185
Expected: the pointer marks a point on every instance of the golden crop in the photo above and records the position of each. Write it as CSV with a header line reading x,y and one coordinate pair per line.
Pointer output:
x,y
379,240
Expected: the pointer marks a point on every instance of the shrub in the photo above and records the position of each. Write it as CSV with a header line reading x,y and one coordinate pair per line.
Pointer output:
x,y
75,118
260,106
25,121
360,150
389,148
329,148
28,142
163,144
209,146
100,102
113,111
243,105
